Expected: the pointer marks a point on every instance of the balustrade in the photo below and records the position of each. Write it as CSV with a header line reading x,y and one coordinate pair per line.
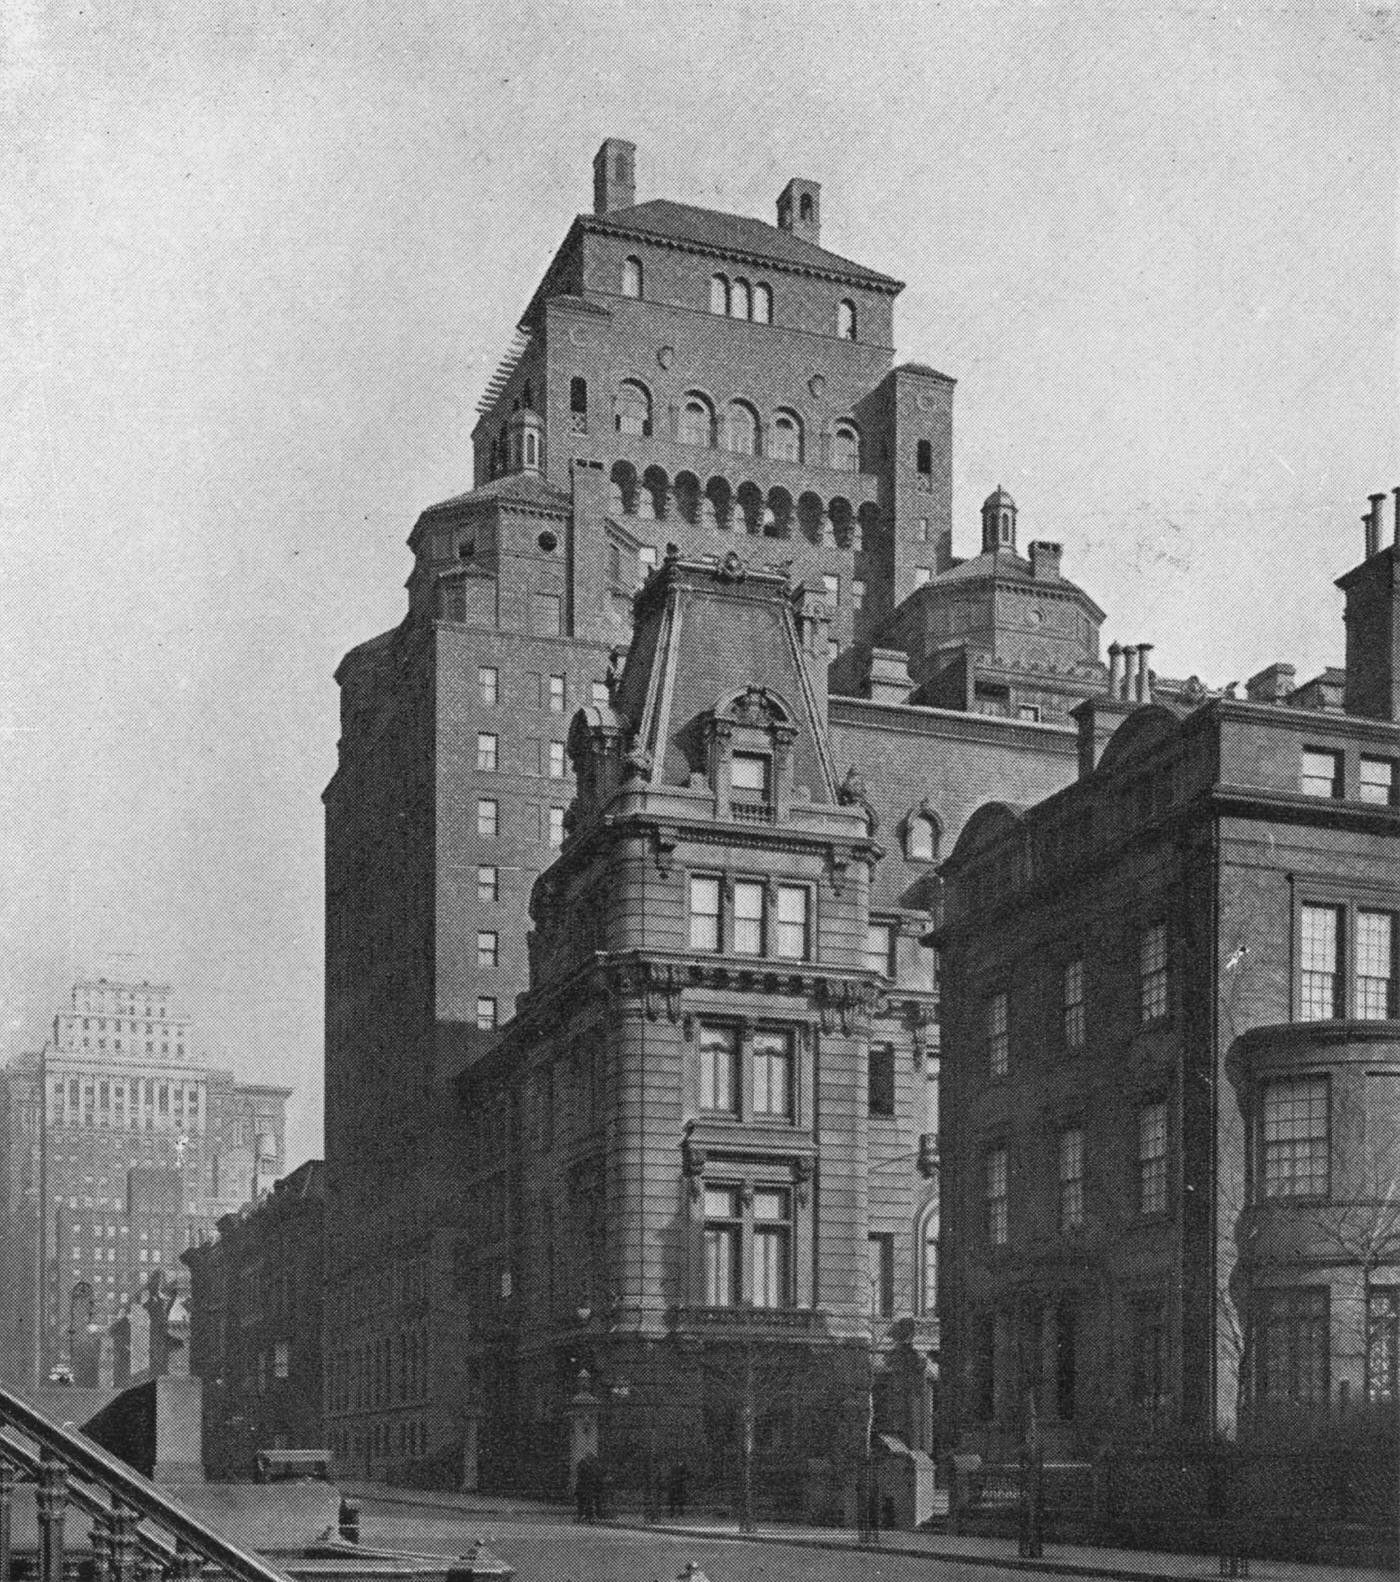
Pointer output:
x,y
138,1533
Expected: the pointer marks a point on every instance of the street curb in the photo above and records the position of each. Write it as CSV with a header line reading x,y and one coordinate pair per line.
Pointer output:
x,y
1001,1562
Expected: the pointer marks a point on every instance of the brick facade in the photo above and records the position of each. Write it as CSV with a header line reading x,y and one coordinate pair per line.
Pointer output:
x,y
1170,1066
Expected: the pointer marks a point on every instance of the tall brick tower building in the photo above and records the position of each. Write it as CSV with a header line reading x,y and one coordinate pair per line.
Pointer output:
x,y
707,381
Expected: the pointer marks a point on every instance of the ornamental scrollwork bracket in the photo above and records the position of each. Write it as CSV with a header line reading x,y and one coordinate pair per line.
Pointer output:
x,y
802,1180
662,992
663,842
692,1163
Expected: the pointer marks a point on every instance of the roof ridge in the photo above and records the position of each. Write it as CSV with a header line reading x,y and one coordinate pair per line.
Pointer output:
x,y
782,247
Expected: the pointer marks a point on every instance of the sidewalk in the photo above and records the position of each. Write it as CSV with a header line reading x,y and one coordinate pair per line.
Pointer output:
x,y
1119,1565
441,1503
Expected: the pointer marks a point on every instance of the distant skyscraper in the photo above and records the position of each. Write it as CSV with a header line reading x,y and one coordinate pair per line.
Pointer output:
x,y
135,1146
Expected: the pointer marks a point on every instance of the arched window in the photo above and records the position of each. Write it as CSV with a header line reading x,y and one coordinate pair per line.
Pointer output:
x,y
719,294
845,448
631,277
923,457
804,207
846,320
740,300
697,421
762,304
633,411
578,394
921,837
785,437
741,429
532,448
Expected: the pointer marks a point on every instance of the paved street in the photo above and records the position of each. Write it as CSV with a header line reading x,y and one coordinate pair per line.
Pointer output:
x,y
543,1546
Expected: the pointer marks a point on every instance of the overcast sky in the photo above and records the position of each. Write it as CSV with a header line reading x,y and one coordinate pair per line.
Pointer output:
x,y
260,258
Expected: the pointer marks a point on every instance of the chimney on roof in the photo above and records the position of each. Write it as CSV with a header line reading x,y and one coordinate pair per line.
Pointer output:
x,y
1272,684
1373,624
1374,520
1045,561
614,176
800,209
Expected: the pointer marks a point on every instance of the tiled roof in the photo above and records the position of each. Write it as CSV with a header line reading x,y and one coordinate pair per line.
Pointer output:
x,y
982,567
523,486
682,222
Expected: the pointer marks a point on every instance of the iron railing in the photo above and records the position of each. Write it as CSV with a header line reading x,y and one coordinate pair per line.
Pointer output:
x,y
68,1468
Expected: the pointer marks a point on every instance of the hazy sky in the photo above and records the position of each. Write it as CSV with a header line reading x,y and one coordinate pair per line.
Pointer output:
x,y
260,258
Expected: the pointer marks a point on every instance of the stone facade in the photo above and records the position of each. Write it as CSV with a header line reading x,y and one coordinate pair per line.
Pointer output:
x,y
1171,1113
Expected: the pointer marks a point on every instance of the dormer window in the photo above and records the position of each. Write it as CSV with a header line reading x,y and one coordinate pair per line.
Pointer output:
x,y
749,777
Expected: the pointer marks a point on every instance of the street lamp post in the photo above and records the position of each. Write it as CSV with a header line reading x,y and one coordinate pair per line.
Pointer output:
x,y
868,1515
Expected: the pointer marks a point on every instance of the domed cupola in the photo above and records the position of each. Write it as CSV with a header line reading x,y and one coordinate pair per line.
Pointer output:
x,y
998,522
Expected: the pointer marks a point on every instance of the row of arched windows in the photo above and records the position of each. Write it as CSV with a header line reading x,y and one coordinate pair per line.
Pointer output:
x,y
737,299
733,297
737,428
655,497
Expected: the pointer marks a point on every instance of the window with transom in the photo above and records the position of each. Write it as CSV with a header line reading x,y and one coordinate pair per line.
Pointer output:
x,y
719,1070
998,1037
1152,1159
1071,1184
632,412
1380,781
845,448
741,429
1292,1346
994,1195
697,421
879,948
1321,772
1073,1004
1294,1137
1152,973
772,1065
785,437
747,1242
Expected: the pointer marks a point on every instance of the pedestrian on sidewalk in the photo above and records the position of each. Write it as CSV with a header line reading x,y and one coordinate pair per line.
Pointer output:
x,y
586,1489
675,1488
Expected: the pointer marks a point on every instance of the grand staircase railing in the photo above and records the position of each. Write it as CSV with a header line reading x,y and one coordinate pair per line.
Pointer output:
x,y
139,1534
